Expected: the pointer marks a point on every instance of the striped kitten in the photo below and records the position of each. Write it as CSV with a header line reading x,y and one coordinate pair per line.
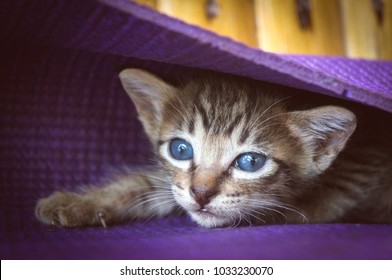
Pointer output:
x,y
231,152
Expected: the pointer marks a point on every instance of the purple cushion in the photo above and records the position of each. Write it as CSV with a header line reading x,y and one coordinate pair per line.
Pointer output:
x,y
65,121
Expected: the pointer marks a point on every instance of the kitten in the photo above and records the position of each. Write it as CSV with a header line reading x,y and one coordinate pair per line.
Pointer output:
x,y
232,152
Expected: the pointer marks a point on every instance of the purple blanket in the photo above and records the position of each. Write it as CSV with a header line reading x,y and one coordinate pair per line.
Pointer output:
x,y
65,121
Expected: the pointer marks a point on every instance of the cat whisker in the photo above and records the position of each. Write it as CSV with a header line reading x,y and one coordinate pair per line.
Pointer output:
x,y
181,113
274,116
295,210
257,211
156,178
268,125
172,203
249,212
270,206
151,194
245,218
146,198
236,224
266,110
283,206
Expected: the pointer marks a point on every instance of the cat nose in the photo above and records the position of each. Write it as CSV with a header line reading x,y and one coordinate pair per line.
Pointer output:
x,y
203,194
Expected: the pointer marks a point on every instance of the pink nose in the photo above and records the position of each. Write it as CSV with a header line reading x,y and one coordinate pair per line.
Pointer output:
x,y
202,194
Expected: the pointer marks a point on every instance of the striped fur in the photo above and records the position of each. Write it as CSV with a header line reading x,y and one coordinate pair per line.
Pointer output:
x,y
317,168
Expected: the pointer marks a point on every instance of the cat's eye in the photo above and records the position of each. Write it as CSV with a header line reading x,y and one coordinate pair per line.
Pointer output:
x,y
180,149
250,162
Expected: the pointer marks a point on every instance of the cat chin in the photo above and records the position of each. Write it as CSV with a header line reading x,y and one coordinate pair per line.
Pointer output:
x,y
209,220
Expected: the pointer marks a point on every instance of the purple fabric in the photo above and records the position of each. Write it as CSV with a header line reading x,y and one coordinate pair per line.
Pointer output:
x,y
66,122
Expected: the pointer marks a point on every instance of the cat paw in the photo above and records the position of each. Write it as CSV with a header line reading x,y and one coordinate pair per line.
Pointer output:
x,y
69,210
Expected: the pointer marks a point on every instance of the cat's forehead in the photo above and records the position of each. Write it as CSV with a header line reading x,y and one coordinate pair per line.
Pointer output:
x,y
222,98
224,110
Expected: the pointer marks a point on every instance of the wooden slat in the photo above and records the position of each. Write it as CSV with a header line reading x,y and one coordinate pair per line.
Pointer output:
x,y
364,36
149,3
339,27
279,29
235,20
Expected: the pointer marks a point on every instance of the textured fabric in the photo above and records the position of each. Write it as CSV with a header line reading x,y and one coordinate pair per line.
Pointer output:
x,y
65,122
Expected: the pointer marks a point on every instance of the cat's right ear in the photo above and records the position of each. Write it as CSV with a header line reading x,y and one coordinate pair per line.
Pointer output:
x,y
148,93
324,132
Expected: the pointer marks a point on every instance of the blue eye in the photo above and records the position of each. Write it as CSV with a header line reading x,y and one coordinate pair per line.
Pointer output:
x,y
181,149
250,162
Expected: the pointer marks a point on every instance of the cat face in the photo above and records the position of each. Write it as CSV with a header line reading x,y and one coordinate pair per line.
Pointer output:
x,y
232,151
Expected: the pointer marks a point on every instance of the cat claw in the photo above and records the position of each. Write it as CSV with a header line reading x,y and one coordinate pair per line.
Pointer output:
x,y
55,220
53,225
101,218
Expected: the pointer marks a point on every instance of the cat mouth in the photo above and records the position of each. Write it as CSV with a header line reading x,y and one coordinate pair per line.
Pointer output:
x,y
208,218
205,213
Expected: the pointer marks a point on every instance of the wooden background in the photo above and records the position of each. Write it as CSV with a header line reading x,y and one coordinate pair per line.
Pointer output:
x,y
338,27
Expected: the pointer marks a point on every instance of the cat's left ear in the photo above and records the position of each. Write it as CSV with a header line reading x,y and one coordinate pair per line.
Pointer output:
x,y
324,132
148,93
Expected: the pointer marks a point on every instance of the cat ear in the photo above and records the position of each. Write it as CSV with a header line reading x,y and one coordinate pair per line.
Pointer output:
x,y
324,132
148,93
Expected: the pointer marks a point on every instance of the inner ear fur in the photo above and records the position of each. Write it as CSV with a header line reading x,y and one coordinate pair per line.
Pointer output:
x,y
324,132
148,93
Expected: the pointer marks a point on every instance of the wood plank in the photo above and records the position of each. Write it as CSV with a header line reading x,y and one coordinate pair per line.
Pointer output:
x,y
149,3
279,29
364,37
235,20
